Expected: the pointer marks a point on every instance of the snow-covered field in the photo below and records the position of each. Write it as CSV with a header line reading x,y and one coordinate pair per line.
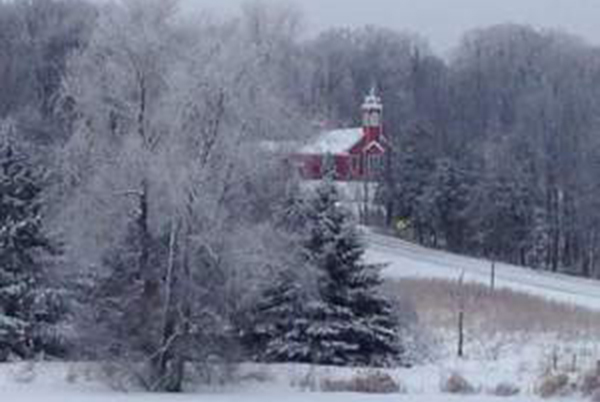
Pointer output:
x,y
55,382
27,396
111,397
407,260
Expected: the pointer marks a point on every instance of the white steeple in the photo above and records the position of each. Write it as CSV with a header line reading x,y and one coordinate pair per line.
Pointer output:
x,y
372,109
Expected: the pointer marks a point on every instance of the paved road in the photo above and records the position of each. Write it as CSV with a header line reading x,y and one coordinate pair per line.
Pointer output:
x,y
409,260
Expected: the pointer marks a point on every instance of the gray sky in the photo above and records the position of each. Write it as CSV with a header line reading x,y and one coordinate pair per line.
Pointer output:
x,y
442,22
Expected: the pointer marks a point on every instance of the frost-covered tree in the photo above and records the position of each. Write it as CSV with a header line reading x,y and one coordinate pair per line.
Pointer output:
x,y
166,192
344,320
29,308
36,38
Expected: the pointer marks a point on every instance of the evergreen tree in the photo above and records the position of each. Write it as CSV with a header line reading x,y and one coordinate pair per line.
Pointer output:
x,y
344,321
28,307
360,325
280,330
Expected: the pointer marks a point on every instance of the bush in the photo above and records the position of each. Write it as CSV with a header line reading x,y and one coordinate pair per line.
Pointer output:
x,y
372,383
590,383
457,384
256,377
506,389
118,378
596,396
553,385
80,372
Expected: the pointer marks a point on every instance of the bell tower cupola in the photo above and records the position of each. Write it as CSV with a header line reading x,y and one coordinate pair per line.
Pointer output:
x,y
372,112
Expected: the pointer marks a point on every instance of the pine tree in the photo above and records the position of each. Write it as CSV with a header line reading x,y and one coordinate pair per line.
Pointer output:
x,y
361,326
344,321
28,308
280,328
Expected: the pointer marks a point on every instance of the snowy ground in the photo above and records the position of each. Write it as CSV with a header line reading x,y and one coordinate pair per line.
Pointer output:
x,y
53,383
409,260
27,396
52,397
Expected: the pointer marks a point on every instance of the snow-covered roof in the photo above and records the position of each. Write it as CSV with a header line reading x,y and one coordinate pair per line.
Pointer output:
x,y
333,142
279,146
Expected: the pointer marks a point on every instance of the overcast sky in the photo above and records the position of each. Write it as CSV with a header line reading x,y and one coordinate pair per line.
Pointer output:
x,y
442,22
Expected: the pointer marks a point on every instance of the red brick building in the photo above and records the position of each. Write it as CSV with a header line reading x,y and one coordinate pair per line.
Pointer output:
x,y
354,153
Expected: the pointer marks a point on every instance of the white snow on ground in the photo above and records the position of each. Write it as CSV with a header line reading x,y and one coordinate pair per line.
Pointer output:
x,y
50,384
33,396
407,260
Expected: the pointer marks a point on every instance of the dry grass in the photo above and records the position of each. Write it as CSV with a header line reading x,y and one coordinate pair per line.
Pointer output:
x,y
506,390
506,311
260,376
457,384
375,382
590,383
552,385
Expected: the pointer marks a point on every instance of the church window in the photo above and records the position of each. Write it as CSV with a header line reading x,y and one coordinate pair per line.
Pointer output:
x,y
375,164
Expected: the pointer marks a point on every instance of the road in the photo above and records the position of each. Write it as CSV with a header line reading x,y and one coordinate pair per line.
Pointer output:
x,y
407,260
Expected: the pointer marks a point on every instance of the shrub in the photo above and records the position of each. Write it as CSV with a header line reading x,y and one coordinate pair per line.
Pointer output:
x,y
372,383
590,383
81,372
256,376
329,385
457,384
506,389
308,382
72,375
553,385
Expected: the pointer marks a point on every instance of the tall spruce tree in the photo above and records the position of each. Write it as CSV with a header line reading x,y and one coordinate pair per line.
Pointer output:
x,y
363,330
345,321
28,307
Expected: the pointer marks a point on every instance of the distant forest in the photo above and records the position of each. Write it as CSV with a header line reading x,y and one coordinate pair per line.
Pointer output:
x,y
496,149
